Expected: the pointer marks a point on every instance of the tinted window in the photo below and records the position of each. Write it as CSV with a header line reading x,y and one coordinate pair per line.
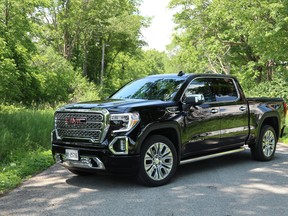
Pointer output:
x,y
224,89
201,86
213,89
150,88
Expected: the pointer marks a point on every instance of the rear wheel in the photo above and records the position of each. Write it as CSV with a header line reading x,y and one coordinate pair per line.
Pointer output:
x,y
158,161
266,146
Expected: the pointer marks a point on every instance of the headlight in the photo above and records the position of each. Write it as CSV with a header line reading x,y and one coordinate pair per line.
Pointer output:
x,y
123,122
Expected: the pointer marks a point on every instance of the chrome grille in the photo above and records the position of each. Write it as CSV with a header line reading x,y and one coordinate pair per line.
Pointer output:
x,y
83,126
95,134
90,125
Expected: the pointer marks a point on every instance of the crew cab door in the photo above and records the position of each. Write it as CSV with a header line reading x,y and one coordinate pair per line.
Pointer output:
x,y
233,112
202,122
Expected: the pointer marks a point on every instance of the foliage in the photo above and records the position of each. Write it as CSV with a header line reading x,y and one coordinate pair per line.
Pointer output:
x,y
245,38
58,81
275,88
285,138
45,45
79,30
127,67
23,150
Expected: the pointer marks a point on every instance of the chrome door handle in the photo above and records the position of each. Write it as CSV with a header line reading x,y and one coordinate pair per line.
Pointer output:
x,y
242,108
214,111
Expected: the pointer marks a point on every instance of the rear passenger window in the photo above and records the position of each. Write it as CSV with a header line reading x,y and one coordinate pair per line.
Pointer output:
x,y
213,89
224,89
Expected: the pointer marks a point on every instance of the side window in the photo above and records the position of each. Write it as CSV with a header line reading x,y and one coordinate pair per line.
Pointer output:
x,y
201,86
224,89
213,89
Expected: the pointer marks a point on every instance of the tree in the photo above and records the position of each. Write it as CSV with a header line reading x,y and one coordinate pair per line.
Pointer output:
x,y
17,31
83,30
127,67
247,38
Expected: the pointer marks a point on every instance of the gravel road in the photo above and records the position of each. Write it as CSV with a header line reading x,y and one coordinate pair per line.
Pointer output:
x,y
227,186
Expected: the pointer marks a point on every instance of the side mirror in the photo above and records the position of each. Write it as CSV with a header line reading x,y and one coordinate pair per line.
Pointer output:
x,y
195,99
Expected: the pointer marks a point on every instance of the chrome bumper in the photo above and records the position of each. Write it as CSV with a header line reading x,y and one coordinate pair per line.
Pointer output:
x,y
84,162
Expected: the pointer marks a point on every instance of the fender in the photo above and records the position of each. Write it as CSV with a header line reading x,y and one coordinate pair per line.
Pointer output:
x,y
261,120
150,128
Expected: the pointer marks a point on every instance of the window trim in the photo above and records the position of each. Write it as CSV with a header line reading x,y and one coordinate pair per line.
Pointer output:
x,y
212,77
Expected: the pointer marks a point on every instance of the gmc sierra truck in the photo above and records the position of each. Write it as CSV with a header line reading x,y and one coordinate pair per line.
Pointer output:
x,y
152,125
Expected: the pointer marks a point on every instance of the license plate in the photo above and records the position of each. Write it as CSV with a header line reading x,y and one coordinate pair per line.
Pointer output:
x,y
71,154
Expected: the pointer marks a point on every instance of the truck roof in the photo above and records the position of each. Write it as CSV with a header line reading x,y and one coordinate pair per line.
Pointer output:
x,y
186,75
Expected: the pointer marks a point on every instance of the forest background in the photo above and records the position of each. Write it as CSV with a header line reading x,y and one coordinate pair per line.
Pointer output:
x,y
62,51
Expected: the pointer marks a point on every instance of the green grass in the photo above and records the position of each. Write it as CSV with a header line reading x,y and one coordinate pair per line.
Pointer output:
x,y
24,144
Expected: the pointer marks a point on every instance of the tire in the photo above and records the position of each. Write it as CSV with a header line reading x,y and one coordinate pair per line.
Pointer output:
x,y
79,173
158,161
266,145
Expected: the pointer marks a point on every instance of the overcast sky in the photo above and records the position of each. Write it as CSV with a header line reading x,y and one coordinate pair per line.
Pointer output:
x,y
158,35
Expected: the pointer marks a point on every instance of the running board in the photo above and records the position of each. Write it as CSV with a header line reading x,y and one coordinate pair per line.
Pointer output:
x,y
212,156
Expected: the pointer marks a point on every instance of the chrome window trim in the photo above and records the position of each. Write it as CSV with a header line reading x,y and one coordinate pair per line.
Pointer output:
x,y
212,77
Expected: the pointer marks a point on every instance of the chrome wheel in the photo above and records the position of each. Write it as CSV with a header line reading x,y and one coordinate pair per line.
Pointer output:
x,y
158,161
268,143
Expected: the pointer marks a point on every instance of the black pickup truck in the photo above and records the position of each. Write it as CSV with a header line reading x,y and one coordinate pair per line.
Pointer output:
x,y
152,125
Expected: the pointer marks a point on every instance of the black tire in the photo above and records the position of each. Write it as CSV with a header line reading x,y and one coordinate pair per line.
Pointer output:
x,y
266,145
158,161
80,173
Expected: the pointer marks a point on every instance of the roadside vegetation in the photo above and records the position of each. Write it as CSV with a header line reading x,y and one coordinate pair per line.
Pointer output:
x,y
24,144
285,138
56,52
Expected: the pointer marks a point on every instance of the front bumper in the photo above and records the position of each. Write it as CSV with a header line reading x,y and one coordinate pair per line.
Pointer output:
x,y
94,160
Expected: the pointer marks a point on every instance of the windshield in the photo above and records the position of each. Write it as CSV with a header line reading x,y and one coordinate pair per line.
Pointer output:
x,y
150,88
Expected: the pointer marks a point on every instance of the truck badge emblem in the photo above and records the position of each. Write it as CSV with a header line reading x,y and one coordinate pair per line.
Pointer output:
x,y
75,121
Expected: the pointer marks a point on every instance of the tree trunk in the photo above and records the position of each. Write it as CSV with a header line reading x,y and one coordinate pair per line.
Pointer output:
x,y
66,36
269,65
259,77
102,64
85,62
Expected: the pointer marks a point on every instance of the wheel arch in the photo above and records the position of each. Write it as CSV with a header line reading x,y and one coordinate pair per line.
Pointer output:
x,y
273,122
272,119
169,130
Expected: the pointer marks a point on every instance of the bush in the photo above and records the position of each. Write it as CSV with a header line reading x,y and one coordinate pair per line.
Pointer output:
x,y
275,88
49,79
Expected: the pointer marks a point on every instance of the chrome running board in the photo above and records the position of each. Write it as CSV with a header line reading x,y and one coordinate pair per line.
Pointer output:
x,y
212,156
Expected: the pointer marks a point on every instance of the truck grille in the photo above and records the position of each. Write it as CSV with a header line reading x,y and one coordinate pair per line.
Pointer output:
x,y
80,126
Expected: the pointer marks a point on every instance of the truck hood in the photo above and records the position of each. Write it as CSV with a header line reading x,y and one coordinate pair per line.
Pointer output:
x,y
116,105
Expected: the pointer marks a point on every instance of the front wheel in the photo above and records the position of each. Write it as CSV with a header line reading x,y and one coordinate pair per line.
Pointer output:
x,y
266,146
158,161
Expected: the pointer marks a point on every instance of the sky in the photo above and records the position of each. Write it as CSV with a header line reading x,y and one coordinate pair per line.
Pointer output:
x,y
159,34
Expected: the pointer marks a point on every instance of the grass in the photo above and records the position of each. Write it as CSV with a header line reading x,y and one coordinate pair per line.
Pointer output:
x,y
24,144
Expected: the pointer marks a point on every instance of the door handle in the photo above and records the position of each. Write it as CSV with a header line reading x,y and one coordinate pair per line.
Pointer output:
x,y
213,111
242,108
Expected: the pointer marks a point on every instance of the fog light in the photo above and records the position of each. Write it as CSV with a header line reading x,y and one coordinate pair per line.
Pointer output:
x,y
122,145
119,145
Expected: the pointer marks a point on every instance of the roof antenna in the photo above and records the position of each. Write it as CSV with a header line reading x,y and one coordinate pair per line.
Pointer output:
x,y
181,73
